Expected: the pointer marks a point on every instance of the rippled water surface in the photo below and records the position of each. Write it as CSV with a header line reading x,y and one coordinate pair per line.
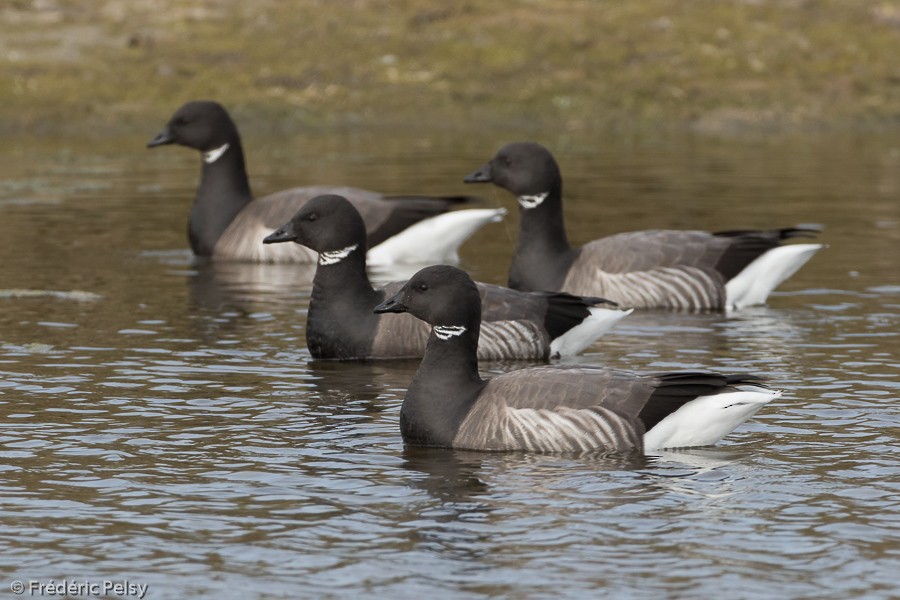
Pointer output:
x,y
161,420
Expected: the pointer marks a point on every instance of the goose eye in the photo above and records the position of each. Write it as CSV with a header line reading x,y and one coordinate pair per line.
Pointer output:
x,y
423,287
181,121
312,217
505,162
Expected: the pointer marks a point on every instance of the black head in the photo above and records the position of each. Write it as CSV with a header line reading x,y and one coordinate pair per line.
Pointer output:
x,y
325,223
523,168
439,295
203,125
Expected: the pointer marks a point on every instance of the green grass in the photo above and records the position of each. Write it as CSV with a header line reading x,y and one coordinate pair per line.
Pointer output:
x,y
707,64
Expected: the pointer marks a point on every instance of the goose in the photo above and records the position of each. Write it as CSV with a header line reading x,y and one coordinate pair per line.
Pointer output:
x,y
226,223
341,323
551,408
682,270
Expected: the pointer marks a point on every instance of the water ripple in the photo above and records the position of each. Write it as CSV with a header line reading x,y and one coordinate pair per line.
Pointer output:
x,y
174,430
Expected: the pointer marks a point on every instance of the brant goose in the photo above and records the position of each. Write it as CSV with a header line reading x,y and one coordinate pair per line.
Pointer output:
x,y
688,270
557,408
341,323
227,223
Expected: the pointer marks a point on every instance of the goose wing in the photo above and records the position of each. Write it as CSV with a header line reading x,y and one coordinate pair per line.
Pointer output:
x,y
556,312
578,409
728,252
518,325
670,269
572,387
390,215
654,268
560,409
384,216
747,245
651,249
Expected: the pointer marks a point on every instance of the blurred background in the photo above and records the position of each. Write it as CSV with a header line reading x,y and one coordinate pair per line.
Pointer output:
x,y
708,65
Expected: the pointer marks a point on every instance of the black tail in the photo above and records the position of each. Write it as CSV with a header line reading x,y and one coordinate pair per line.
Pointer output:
x,y
409,210
677,389
565,311
750,244
447,201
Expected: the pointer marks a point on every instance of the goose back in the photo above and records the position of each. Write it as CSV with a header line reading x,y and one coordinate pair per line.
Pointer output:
x,y
685,270
384,217
560,409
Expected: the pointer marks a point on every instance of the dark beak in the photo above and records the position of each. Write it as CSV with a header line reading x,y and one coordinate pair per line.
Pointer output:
x,y
162,138
284,234
392,305
482,175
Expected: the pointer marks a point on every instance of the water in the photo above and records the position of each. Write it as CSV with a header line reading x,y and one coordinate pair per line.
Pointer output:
x,y
161,422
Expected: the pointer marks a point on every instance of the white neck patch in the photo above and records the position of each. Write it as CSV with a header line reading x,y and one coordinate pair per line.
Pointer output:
x,y
445,332
214,154
533,200
333,257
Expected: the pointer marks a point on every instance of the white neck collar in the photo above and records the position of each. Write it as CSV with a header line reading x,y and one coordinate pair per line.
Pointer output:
x,y
214,154
333,257
533,200
445,332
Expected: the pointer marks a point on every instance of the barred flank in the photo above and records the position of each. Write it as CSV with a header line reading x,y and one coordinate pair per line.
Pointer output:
x,y
681,288
495,426
507,340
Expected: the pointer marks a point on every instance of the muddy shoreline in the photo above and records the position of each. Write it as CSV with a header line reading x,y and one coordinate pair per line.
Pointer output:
x,y
714,67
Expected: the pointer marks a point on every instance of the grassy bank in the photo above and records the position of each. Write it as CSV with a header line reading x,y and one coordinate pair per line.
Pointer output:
x,y
713,65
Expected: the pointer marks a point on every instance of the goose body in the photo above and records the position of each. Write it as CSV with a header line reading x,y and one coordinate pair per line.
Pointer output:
x,y
688,270
341,323
559,408
226,223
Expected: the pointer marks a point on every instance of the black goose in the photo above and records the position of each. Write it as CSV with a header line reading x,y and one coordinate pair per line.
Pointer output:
x,y
561,408
341,324
692,270
228,224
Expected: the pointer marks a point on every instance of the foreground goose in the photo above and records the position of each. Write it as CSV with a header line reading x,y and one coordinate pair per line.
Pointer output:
x,y
227,223
689,270
341,323
562,408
